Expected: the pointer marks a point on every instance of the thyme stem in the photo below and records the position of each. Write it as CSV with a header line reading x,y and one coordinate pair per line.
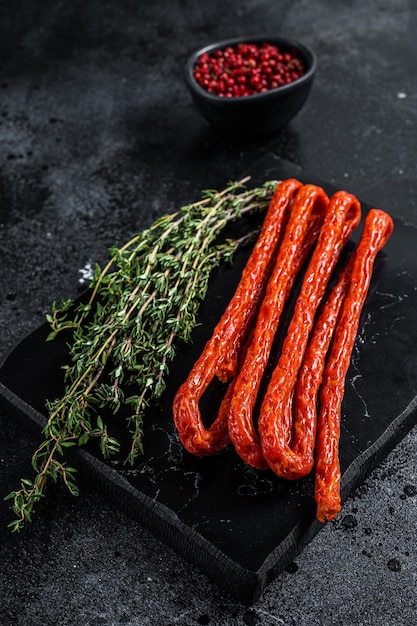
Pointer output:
x,y
142,304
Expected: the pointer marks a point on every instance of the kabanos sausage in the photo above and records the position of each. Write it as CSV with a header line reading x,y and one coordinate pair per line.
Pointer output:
x,y
306,217
342,218
304,424
378,227
221,353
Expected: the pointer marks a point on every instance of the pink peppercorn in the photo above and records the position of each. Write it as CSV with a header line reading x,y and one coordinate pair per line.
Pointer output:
x,y
247,69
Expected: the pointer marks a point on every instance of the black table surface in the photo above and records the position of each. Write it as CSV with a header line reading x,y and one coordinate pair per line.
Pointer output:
x,y
99,137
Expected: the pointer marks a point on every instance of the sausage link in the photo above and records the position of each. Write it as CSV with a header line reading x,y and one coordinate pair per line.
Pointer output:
x,y
306,217
310,376
378,227
342,218
221,353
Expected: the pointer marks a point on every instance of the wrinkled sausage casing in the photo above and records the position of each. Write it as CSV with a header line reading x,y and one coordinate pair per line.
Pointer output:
x,y
306,218
221,353
378,228
299,417
343,216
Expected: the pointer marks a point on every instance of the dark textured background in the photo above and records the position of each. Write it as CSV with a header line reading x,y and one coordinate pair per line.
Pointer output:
x,y
98,136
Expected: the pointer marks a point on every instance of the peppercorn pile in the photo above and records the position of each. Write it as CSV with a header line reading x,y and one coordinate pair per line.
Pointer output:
x,y
247,69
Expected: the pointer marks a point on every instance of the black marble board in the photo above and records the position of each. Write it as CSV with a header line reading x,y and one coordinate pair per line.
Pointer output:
x,y
239,526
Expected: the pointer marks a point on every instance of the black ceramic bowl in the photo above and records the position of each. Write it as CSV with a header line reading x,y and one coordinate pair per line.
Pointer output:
x,y
261,113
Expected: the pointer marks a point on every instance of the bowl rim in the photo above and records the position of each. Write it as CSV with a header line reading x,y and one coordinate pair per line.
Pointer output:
x,y
304,49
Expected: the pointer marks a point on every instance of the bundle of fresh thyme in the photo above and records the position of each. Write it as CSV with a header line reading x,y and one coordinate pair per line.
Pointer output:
x,y
141,305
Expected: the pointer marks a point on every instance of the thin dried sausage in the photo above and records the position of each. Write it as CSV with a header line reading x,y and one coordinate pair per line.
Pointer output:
x,y
304,424
342,218
378,227
307,214
221,353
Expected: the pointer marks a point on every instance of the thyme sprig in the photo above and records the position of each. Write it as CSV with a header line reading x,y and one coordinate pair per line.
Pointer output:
x,y
121,341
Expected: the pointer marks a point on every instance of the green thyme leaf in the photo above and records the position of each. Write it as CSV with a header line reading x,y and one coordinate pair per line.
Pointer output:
x,y
141,305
